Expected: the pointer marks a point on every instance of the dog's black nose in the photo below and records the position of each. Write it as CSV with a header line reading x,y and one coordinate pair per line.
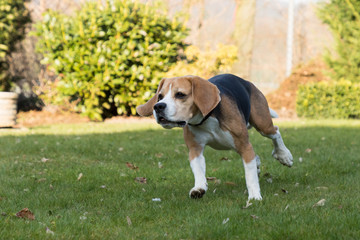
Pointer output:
x,y
159,107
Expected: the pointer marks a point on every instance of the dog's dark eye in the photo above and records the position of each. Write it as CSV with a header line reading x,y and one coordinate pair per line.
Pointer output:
x,y
160,97
180,95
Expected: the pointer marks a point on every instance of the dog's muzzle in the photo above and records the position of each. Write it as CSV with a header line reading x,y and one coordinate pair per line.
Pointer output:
x,y
159,109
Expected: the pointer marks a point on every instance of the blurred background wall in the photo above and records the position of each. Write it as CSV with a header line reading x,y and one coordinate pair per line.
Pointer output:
x,y
257,27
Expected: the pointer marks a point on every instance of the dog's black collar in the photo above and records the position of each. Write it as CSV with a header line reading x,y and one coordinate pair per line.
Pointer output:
x,y
202,121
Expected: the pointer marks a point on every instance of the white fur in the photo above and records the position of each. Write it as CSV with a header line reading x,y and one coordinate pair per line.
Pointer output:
x,y
198,167
273,114
252,179
280,152
210,133
170,109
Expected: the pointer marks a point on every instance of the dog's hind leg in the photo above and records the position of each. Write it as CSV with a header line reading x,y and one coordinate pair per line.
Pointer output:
x,y
280,152
260,119
251,166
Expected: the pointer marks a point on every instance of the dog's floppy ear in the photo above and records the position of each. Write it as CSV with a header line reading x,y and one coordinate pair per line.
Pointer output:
x,y
206,95
147,108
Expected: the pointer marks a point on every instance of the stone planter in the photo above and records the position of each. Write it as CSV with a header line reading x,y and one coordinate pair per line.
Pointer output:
x,y
8,107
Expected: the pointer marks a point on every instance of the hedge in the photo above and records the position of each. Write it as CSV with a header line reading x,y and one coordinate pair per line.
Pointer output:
x,y
109,58
343,19
339,100
13,19
205,63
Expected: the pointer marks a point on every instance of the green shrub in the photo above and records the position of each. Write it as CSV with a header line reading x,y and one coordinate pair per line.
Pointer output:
x,y
339,100
343,18
13,18
109,58
206,63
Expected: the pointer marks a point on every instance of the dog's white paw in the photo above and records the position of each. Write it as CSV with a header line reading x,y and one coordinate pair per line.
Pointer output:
x,y
254,195
197,192
283,155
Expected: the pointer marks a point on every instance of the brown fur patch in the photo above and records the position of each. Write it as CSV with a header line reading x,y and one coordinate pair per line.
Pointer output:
x,y
206,95
233,121
260,116
195,149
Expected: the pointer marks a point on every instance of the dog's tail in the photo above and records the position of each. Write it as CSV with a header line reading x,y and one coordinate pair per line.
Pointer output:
x,y
273,114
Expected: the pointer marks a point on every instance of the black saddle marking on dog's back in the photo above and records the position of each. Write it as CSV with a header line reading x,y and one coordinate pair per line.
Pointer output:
x,y
235,88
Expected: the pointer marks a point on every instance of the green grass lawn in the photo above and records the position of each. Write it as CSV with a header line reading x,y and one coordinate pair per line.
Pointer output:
x,y
40,167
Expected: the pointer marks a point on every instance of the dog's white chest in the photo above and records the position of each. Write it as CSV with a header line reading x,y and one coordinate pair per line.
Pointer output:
x,y
210,133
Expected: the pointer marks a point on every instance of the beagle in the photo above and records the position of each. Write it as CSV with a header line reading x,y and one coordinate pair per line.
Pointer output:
x,y
218,113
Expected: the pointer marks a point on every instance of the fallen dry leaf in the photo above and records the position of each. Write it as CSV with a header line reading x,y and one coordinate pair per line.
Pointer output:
x,y
141,179
131,166
218,181
25,213
225,221
44,160
248,204
48,231
41,180
159,155
211,178
254,216
308,150
320,203
80,176
128,220
284,191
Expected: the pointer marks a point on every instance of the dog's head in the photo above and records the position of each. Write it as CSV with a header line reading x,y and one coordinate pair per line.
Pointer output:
x,y
181,100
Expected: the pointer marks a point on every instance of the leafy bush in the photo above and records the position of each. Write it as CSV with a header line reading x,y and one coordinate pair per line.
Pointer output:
x,y
329,100
109,58
344,20
205,63
13,18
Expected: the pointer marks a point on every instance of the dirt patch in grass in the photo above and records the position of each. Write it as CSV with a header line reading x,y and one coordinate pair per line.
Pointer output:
x,y
39,118
283,100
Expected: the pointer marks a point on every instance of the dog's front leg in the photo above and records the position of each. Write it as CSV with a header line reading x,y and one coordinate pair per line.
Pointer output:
x,y
197,164
198,168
